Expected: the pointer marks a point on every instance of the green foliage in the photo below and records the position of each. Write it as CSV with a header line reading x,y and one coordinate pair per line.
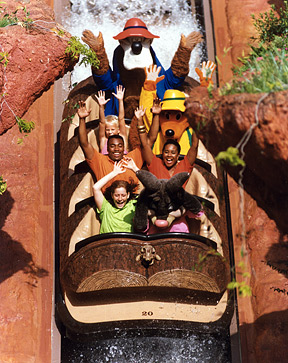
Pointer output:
x,y
230,156
210,88
7,19
211,105
269,25
4,58
201,124
265,68
60,32
75,48
70,107
25,126
68,118
3,185
263,74
27,21
202,259
242,287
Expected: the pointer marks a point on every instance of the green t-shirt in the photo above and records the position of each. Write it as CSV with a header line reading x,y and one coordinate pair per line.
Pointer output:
x,y
116,220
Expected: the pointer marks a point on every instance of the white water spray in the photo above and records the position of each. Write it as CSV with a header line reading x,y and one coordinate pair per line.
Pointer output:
x,y
166,18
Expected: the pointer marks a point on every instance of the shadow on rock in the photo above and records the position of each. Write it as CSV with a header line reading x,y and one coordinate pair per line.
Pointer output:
x,y
13,257
277,256
266,338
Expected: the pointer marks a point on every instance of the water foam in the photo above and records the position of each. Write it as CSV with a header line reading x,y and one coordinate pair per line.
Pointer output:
x,y
167,18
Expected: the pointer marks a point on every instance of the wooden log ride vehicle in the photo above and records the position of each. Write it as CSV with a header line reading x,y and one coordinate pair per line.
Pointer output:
x,y
129,280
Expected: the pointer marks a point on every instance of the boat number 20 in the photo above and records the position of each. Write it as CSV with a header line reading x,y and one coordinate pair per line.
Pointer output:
x,y
147,313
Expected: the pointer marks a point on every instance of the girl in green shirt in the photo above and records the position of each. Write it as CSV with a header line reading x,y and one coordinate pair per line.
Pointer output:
x,y
117,208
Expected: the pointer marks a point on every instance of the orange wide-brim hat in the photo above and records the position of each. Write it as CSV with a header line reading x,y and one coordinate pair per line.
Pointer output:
x,y
135,27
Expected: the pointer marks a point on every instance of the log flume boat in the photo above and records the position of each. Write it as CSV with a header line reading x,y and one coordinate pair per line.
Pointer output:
x,y
103,281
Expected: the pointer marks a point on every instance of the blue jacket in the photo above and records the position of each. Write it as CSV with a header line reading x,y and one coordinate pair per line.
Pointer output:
x,y
110,80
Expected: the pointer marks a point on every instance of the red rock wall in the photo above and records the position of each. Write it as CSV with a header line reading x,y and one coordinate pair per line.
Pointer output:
x,y
36,58
26,247
263,316
26,236
233,27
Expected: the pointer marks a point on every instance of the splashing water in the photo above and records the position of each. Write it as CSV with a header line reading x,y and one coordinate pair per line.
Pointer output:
x,y
166,18
197,348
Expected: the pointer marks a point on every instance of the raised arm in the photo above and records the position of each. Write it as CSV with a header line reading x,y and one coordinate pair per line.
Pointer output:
x,y
147,152
102,102
87,148
121,116
97,192
154,129
120,97
192,152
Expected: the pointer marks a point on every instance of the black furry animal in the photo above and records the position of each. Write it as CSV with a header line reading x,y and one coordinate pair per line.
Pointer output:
x,y
162,196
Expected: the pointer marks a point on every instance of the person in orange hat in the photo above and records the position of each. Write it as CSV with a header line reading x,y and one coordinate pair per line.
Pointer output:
x,y
133,54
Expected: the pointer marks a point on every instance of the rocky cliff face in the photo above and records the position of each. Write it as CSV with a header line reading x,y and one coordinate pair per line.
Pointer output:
x,y
36,58
260,121
263,316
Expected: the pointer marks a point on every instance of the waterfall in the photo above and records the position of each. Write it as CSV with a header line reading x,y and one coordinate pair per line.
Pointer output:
x,y
165,18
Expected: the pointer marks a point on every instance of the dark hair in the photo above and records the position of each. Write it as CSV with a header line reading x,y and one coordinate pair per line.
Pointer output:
x,y
173,142
115,137
130,187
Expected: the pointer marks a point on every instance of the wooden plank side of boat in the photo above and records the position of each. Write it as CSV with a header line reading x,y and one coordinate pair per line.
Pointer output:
x,y
103,279
111,264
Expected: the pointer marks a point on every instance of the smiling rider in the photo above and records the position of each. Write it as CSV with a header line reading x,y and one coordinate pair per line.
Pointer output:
x,y
100,164
169,165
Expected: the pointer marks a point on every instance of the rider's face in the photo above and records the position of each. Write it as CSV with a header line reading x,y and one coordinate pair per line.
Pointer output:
x,y
170,155
120,197
111,129
115,149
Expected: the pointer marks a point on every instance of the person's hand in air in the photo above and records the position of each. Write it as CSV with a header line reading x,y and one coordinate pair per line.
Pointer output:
x,y
205,73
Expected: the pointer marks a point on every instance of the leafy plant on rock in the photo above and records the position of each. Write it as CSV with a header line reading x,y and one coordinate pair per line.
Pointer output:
x,y
269,25
230,156
3,185
4,59
76,48
243,288
203,258
12,18
25,126
265,68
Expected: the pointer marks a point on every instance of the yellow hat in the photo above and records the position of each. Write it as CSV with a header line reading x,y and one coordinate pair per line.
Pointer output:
x,y
173,100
